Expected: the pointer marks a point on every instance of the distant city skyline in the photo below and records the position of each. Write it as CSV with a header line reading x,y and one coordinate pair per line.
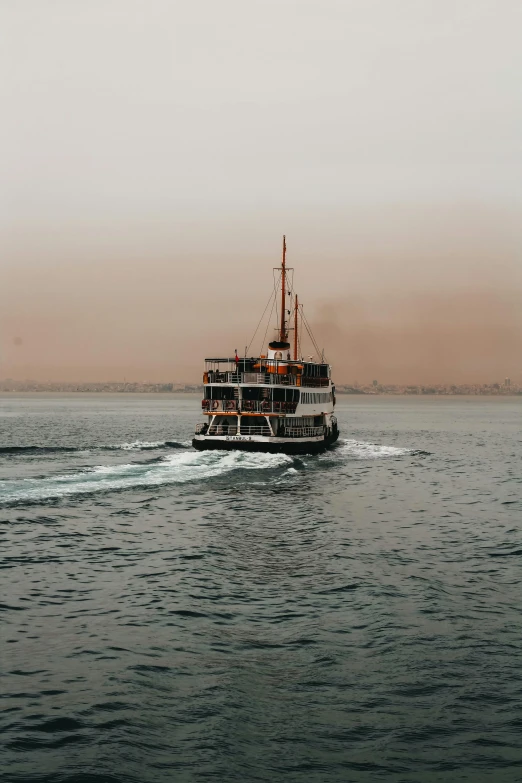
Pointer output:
x,y
505,388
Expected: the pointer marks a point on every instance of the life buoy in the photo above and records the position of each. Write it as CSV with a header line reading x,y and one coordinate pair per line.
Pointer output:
x,y
248,405
265,405
205,404
215,405
230,405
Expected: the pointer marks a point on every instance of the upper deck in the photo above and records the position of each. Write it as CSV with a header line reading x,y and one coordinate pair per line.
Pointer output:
x,y
260,370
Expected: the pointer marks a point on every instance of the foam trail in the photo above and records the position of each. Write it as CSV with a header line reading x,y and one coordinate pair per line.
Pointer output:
x,y
361,450
174,469
144,445
137,445
10,450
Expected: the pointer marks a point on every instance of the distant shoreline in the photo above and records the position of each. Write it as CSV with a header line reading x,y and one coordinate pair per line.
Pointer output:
x,y
465,392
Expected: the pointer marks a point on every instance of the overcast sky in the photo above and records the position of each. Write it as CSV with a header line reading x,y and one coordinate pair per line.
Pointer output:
x,y
152,154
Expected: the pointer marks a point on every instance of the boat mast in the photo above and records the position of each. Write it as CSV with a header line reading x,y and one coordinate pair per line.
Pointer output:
x,y
296,310
282,330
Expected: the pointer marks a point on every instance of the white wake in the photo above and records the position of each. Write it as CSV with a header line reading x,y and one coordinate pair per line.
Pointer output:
x,y
173,469
361,450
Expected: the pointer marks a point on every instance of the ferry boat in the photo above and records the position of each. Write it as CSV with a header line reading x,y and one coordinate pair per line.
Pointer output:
x,y
275,402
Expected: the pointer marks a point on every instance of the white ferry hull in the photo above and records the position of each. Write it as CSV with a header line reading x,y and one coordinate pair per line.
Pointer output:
x,y
267,444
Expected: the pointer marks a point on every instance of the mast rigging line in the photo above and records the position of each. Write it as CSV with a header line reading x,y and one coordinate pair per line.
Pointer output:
x,y
260,321
268,322
309,330
282,328
283,287
276,287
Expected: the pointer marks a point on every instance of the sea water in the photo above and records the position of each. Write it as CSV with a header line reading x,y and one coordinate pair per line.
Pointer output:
x,y
173,615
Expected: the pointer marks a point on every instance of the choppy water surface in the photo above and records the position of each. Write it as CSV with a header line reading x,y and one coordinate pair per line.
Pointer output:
x,y
170,615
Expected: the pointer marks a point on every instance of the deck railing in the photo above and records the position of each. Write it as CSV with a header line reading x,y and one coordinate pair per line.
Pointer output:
x,y
303,432
255,430
267,378
267,406
306,381
219,406
271,378
221,429
248,406
224,377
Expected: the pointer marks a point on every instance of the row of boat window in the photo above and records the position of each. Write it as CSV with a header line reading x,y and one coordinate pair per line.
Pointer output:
x,y
309,369
316,370
259,393
314,398
275,394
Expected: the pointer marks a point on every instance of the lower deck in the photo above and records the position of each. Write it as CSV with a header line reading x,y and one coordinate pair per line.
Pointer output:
x,y
265,426
275,434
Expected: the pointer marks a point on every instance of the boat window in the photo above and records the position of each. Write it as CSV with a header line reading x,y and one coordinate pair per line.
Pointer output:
x,y
219,393
285,395
252,392
264,393
255,425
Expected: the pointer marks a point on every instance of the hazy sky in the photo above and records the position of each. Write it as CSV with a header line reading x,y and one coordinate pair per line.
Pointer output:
x,y
152,154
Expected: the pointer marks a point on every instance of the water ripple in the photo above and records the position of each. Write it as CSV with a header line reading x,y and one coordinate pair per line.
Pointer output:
x,y
238,617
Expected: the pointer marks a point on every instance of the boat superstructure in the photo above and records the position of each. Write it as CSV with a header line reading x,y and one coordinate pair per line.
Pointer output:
x,y
274,402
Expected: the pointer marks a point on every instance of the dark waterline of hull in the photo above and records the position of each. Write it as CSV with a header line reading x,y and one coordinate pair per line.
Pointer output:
x,y
291,447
